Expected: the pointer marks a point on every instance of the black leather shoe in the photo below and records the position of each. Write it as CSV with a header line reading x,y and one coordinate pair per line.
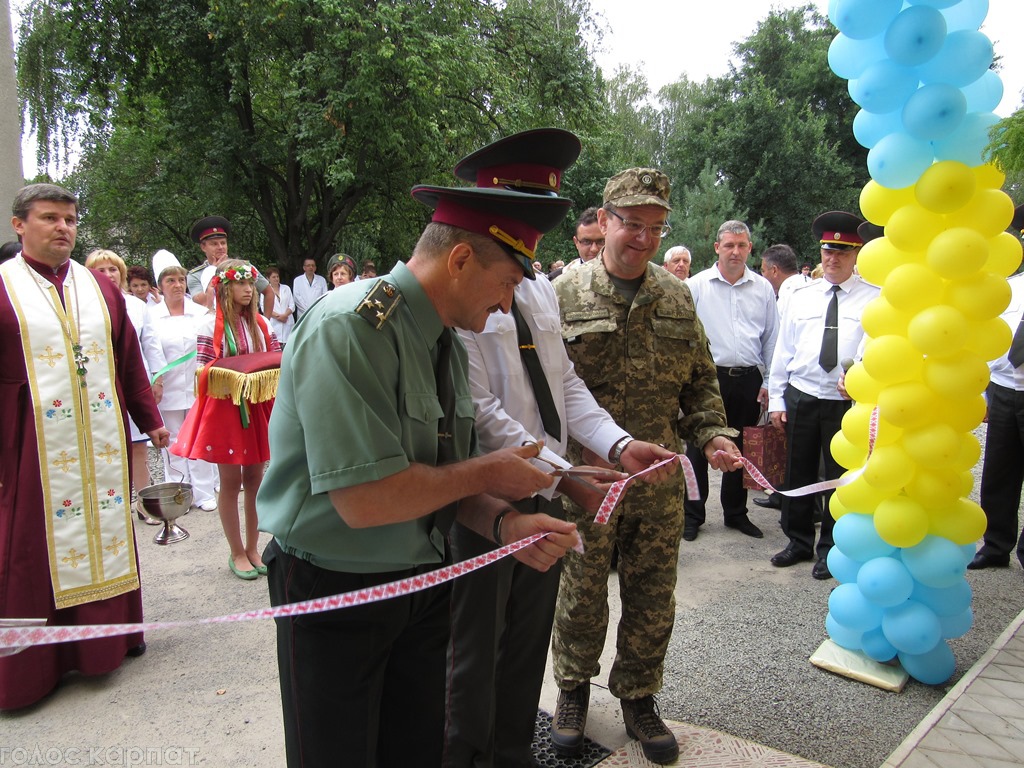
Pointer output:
x,y
820,570
771,502
981,562
744,526
137,651
790,556
689,532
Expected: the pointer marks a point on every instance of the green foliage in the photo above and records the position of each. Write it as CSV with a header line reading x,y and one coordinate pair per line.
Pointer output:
x,y
698,211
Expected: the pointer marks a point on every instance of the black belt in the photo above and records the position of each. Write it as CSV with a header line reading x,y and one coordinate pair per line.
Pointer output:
x,y
738,371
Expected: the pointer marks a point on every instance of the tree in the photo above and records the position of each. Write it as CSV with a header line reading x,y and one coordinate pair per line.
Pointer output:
x,y
698,212
296,118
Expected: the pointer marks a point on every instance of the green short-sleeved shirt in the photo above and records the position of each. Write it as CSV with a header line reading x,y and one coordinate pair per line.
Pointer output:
x,y
357,403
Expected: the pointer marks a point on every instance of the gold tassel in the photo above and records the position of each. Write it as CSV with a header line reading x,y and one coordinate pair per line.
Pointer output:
x,y
257,387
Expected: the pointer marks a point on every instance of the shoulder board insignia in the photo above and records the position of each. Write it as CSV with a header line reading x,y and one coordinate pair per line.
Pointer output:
x,y
378,304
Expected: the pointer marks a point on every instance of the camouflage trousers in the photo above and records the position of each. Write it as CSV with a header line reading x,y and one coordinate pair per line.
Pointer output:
x,y
646,528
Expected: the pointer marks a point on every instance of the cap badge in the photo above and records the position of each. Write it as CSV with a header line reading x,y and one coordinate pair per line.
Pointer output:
x,y
553,181
647,179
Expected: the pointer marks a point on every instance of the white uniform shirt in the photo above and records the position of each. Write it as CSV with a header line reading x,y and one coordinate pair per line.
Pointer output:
x,y
741,319
799,345
306,293
1004,374
168,337
507,413
789,285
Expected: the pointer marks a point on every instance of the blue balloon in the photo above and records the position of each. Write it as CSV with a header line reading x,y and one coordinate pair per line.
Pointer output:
x,y
851,609
911,627
957,625
877,647
933,667
985,93
855,534
898,160
915,36
861,19
968,551
964,57
933,3
869,128
968,144
848,58
945,601
844,636
934,111
884,86
885,582
843,569
935,562
965,14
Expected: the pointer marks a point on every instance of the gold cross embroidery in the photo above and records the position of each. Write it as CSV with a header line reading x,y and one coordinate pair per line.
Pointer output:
x,y
108,453
73,558
64,461
51,357
115,545
94,350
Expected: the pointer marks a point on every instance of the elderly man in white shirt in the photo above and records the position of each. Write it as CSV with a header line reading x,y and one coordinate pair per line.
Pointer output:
x,y
737,308
821,326
307,287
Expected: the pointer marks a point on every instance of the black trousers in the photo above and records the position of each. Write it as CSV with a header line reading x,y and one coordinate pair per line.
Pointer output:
x,y
1003,471
739,393
360,686
501,627
810,425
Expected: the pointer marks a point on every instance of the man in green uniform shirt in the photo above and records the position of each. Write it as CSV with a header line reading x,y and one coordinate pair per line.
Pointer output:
x,y
373,457
632,332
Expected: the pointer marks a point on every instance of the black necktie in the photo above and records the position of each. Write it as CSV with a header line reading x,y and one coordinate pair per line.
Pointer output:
x,y
829,356
446,397
1016,353
541,390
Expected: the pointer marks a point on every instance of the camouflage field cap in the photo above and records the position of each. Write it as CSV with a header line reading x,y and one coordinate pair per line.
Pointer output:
x,y
638,186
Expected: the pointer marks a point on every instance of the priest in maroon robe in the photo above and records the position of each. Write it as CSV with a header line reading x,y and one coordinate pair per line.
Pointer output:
x,y
67,547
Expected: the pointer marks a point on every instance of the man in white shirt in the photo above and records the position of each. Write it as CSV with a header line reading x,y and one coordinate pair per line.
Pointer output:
x,y
737,308
1002,473
677,261
779,267
820,327
307,287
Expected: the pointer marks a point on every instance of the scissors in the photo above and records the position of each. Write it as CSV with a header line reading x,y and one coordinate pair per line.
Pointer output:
x,y
573,473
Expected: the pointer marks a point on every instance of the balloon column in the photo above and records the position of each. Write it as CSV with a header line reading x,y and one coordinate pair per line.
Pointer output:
x,y
904,533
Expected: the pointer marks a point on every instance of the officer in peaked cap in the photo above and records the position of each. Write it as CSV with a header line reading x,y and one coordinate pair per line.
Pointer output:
x,y
837,231
530,162
212,233
388,473
869,231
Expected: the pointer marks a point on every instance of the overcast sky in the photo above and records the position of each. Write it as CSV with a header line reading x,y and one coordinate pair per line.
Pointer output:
x,y
668,38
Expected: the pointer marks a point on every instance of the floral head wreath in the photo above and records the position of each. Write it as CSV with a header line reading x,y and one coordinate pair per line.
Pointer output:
x,y
239,274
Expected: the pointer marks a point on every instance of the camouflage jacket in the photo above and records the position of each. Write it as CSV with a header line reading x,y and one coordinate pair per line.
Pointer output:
x,y
650,364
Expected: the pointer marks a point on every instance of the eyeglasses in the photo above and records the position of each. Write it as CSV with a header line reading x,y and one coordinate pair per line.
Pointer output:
x,y
586,242
635,228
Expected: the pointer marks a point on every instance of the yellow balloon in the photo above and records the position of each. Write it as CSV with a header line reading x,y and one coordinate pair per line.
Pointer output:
x,y
966,483
939,330
880,318
879,257
861,386
911,226
969,454
989,176
859,496
908,404
963,375
978,297
846,453
901,522
836,508
961,521
877,203
932,445
931,488
1004,254
989,339
957,253
962,414
892,359
989,212
946,186
889,468
912,287
857,427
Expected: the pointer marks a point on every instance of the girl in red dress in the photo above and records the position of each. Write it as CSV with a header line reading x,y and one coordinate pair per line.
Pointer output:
x,y
216,429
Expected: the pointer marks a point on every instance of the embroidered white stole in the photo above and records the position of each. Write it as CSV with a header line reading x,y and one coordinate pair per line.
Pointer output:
x,y
83,460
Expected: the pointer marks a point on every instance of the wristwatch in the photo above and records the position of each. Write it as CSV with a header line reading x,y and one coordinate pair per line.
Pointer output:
x,y
616,452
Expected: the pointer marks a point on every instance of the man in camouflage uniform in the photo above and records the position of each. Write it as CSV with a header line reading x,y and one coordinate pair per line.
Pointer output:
x,y
633,334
